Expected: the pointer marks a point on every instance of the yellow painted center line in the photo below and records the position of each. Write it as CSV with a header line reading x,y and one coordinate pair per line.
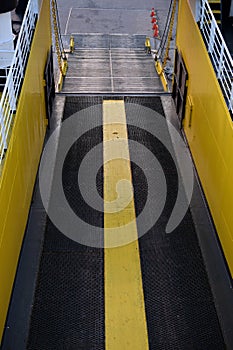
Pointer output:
x,y
125,318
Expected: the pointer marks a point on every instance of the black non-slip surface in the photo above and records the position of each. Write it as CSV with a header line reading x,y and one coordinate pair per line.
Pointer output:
x,y
179,305
68,310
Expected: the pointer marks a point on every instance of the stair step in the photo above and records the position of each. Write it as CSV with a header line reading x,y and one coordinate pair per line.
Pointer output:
x,y
215,2
215,6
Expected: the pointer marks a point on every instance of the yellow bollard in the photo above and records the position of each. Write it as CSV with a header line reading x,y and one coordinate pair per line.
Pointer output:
x,y
71,44
147,45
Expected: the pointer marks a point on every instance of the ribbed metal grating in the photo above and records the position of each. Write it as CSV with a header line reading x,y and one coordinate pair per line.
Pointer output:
x,y
111,64
179,305
68,310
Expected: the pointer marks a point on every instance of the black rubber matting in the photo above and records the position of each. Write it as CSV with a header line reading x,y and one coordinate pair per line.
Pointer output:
x,y
68,311
179,305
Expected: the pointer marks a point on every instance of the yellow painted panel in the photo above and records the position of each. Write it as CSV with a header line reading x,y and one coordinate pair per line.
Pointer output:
x,y
210,133
125,319
22,159
161,74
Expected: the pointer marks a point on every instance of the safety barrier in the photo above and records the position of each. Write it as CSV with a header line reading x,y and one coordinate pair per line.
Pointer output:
x,y
26,139
218,51
208,127
11,91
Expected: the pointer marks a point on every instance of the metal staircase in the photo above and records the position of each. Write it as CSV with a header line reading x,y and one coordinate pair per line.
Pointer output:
x,y
216,7
106,63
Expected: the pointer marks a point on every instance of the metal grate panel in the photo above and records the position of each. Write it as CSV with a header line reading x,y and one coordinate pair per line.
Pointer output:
x,y
68,311
179,304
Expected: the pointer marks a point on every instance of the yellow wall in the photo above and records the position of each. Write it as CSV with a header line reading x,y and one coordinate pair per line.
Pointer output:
x,y
22,158
210,134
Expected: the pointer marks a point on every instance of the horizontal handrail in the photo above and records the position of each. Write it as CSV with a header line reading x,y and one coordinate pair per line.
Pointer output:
x,y
14,78
218,51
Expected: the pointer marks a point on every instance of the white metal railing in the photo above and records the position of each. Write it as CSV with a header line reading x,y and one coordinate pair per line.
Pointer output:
x,y
14,80
218,51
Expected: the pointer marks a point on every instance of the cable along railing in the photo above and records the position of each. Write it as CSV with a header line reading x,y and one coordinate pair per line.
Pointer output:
x,y
218,51
15,76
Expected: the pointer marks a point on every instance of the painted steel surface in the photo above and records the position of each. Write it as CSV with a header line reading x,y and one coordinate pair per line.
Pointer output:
x,y
125,317
22,158
208,128
17,61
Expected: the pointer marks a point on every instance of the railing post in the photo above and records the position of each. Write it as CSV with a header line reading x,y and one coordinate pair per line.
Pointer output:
x,y
202,13
12,93
231,99
221,62
2,134
198,10
212,36
35,7
27,33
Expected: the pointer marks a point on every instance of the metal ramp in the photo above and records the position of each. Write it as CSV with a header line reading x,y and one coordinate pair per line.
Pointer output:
x,y
103,63
78,286
153,293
